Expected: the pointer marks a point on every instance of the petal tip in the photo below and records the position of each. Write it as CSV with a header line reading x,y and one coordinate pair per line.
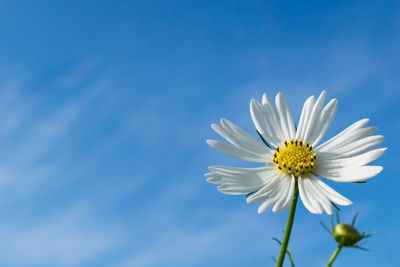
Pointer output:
x,y
279,96
365,120
334,101
379,169
265,100
253,104
223,120
211,142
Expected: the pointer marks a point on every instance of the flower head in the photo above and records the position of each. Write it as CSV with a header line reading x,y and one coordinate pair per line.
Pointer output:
x,y
346,235
293,155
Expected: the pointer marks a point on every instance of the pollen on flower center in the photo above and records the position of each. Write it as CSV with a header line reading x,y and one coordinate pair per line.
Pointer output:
x,y
296,157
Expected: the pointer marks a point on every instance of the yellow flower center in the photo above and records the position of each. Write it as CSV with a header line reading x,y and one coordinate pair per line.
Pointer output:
x,y
296,157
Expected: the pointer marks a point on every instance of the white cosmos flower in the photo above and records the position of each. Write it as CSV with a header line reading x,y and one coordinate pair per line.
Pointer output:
x,y
295,155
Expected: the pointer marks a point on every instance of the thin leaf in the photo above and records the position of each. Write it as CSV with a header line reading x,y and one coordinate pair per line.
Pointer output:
x,y
262,138
290,257
369,235
337,217
249,194
361,243
288,252
337,208
277,241
326,228
365,249
354,219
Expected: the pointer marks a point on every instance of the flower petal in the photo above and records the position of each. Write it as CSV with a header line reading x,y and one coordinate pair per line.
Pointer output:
x,y
324,121
315,121
305,117
239,137
337,167
286,120
285,197
312,122
317,194
272,111
236,181
353,148
245,147
331,194
277,189
269,187
334,162
265,205
277,194
236,152
307,200
342,136
265,123
348,175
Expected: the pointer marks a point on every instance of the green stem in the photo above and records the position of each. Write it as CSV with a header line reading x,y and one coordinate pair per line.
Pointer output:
x,y
288,230
334,255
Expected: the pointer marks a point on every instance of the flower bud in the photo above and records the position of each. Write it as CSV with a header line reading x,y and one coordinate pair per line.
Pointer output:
x,y
346,235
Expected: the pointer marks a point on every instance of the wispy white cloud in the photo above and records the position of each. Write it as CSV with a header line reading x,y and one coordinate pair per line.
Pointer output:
x,y
78,73
68,238
35,147
182,245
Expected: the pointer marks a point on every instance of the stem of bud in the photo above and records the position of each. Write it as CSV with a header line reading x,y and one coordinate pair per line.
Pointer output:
x,y
334,255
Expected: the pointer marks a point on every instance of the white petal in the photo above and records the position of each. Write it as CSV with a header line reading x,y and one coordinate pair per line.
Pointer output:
x,y
337,139
286,197
245,147
236,190
240,138
265,123
274,195
237,172
324,121
305,117
269,187
349,139
265,205
281,196
238,153
241,180
326,161
331,194
312,122
274,116
315,121
357,147
318,194
348,175
287,124
360,146
350,169
307,201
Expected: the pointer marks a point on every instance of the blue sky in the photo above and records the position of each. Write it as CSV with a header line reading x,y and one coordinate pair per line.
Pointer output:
x,y
105,107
